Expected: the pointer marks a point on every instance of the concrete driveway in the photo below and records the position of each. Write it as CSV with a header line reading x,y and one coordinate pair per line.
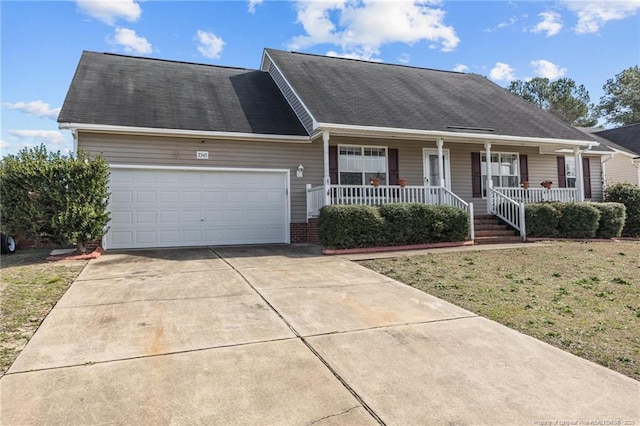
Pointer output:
x,y
280,335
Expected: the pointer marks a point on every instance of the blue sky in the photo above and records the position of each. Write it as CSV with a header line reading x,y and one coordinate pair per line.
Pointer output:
x,y
589,41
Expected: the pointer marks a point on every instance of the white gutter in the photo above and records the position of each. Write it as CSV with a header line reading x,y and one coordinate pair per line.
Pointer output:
x,y
603,167
103,128
470,137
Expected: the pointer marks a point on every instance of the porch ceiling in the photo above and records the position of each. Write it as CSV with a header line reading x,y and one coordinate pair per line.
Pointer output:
x,y
479,137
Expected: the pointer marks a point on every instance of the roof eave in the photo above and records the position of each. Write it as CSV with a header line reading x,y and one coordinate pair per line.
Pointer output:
x,y
149,131
389,132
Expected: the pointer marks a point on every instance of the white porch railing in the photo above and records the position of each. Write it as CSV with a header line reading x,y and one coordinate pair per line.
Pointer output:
x,y
539,195
315,200
385,194
508,209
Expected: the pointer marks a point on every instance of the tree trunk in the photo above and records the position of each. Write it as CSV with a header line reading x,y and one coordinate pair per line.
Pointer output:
x,y
81,245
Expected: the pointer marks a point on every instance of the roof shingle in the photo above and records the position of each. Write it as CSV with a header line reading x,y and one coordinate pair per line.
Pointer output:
x,y
129,91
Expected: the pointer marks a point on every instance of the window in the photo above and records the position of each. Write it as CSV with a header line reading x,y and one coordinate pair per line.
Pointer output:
x,y
504,170
357,165
570,170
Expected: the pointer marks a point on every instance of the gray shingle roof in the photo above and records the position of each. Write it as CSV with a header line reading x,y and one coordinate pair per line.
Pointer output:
x,y
121,90
353,92
628,137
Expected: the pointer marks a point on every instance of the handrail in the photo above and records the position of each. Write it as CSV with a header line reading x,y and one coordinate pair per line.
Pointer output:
x,y
507,209
540,195
315,200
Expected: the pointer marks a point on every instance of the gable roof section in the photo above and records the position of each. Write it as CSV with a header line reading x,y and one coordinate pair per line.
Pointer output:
x,y
352,92
627,137
117,90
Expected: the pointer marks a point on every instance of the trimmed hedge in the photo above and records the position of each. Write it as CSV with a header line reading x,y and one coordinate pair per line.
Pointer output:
x,y
351,226
574,220
541,220
578,220
420,223
629,195
612,218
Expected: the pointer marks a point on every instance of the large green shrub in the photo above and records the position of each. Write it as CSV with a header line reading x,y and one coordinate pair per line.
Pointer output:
x,y
612,218
51,195
350,226
390,225
578,220
541,220
629,195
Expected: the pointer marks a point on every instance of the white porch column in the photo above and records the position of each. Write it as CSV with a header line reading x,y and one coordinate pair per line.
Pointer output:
x,y
489,184
579,173
327,178
440,163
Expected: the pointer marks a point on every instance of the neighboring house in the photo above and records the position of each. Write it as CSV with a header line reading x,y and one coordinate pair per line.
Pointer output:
x,y
624,164
210,155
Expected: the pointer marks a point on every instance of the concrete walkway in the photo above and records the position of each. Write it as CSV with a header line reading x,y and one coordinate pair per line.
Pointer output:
x,y
280,335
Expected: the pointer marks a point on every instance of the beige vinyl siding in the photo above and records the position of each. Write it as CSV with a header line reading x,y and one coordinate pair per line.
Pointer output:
x,y
621,169
175,151
596,179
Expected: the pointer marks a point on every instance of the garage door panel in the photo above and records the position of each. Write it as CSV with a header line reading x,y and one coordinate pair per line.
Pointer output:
x,y
165,208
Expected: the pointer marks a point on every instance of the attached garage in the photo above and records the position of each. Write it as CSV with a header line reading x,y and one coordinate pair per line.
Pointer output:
x,y
172,207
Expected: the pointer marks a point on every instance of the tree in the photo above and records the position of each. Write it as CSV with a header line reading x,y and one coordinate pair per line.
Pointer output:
x,y
621,101
55,196
563,98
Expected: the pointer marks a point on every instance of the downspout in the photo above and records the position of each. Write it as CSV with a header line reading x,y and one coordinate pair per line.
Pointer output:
x,y
326,178
487,149
603,160
579,173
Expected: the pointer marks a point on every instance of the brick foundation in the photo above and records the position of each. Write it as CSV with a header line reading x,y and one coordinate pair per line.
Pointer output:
x,y
304,232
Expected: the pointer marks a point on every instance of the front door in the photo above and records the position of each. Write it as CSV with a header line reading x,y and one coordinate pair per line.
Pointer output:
x,y
431,169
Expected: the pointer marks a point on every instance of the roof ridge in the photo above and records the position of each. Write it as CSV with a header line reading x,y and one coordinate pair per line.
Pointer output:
x,y
371,62
146,58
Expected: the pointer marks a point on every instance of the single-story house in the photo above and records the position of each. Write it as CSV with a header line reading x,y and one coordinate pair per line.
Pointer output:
x,y
212,155
623,165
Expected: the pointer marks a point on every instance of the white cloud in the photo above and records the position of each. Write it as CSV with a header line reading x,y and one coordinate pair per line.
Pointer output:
x,y
37,108
547,69
461,68
45,136
3,144
209,44
108,11
360,55
501,25
253,4
361,27
592,15
131,42
551,24
404,58
502,72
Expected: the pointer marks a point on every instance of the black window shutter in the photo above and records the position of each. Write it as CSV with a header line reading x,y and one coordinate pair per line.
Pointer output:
x,y
586,173
394,170
562,174
476,175
524,168
333,164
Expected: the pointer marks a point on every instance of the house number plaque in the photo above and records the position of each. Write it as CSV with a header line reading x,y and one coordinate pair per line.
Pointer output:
x,y
202,155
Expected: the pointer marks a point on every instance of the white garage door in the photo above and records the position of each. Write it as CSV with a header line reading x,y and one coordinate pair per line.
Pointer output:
x,y
169,208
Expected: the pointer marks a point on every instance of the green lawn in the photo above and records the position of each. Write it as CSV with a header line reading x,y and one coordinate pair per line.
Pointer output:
x,y
29,288
581,297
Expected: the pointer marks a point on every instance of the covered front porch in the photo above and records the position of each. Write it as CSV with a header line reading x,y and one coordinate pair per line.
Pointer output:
x,y
458,173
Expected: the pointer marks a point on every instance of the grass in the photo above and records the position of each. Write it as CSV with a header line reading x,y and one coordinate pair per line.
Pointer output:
x,y
29,288
581,297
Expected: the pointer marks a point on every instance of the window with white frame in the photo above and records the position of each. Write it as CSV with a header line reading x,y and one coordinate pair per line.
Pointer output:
x,y
358,165
570,170
504,170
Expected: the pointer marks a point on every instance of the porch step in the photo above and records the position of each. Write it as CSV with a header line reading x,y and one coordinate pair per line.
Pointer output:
x,y
498,240
491,230
494,233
